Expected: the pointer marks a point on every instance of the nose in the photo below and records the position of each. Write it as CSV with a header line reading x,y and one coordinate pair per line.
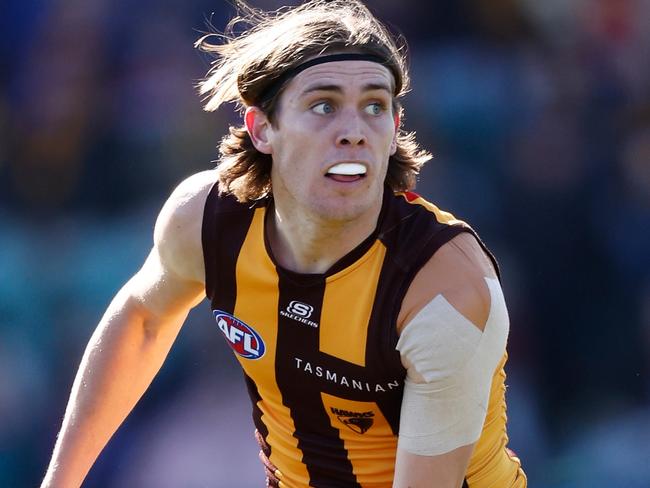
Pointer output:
x,y
351,132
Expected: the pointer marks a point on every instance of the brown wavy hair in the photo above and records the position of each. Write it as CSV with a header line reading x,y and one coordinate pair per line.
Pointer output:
x,y
258,47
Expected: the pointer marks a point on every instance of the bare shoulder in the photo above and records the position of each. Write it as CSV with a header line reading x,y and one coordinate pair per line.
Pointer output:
x,y
457,271
177,235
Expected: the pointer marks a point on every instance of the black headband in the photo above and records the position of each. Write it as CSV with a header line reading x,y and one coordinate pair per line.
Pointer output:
x,y
275,86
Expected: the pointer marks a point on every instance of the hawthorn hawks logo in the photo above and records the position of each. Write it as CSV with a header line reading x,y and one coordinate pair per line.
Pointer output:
x,y
243,339
358,422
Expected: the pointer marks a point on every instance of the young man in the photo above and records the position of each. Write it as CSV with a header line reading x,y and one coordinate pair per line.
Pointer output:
x,y
370,325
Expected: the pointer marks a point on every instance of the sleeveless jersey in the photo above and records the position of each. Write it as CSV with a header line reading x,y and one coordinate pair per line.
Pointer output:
x,y
318,350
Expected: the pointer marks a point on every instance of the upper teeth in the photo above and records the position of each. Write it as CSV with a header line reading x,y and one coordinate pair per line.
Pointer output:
x,y
347,169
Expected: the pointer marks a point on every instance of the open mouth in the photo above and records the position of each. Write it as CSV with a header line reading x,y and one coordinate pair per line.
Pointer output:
x,y
346,172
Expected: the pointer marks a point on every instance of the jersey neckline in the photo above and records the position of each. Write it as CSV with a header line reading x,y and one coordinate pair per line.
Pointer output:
x,y
344,262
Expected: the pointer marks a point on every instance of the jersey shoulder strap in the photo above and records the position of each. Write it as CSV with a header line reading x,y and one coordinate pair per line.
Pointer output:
x,y
225,224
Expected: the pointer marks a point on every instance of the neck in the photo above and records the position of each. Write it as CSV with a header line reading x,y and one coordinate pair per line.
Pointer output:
x,y
307,244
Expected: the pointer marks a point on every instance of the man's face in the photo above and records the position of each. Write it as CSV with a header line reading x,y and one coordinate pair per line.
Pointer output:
x,y
333,134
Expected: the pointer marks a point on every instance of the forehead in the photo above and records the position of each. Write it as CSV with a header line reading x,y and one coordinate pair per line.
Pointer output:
x,y
344,74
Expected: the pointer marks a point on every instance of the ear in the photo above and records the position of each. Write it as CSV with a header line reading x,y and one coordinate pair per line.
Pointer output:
x,y
393,144
258,127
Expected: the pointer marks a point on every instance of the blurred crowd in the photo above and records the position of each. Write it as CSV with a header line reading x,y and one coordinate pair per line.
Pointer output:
x,y
538,114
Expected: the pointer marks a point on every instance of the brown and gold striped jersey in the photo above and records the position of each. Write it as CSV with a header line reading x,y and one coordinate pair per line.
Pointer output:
x,y
318,350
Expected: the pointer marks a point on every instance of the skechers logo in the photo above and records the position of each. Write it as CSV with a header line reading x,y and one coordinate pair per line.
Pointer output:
x,y
359,422
242,338
300,308
300,312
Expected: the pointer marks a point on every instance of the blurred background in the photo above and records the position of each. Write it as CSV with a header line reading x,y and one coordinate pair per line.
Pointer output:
x,y
538,114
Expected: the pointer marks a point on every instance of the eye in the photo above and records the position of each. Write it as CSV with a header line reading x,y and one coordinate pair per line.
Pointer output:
x,y
323,108
375,108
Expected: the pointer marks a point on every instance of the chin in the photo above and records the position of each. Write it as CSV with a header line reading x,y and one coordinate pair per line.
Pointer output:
x,y
344,210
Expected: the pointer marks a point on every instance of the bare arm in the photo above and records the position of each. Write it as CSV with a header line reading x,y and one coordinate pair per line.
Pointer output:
x,y
134,336
456,273
441,471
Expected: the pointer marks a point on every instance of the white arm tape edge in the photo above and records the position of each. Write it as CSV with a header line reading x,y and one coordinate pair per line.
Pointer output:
x,y
450,364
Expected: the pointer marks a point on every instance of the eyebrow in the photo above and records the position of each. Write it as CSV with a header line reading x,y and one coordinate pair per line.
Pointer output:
x,y
339,89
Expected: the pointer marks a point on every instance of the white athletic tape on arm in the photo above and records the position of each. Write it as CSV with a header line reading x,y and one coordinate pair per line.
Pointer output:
x,y
450,364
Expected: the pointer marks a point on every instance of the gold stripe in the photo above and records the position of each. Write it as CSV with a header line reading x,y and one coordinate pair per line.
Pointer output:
x,y
441,216
490,464
347,305
258,307
373,467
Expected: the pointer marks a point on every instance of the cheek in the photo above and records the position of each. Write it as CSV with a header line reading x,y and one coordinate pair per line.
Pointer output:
x,y
300,147
292,161
385,129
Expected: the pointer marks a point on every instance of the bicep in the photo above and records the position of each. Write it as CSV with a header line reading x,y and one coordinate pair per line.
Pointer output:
x,y
445,393
450,364
160,291
453,332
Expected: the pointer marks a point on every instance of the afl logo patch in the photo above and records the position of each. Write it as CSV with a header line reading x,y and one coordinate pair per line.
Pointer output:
x,y
243,339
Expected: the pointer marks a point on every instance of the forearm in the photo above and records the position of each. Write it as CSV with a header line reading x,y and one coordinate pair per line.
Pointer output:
x,y
443,471
121,359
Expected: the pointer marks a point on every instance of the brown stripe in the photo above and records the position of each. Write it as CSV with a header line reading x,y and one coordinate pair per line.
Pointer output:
x,y
224,228
324,453
257,413
261,433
